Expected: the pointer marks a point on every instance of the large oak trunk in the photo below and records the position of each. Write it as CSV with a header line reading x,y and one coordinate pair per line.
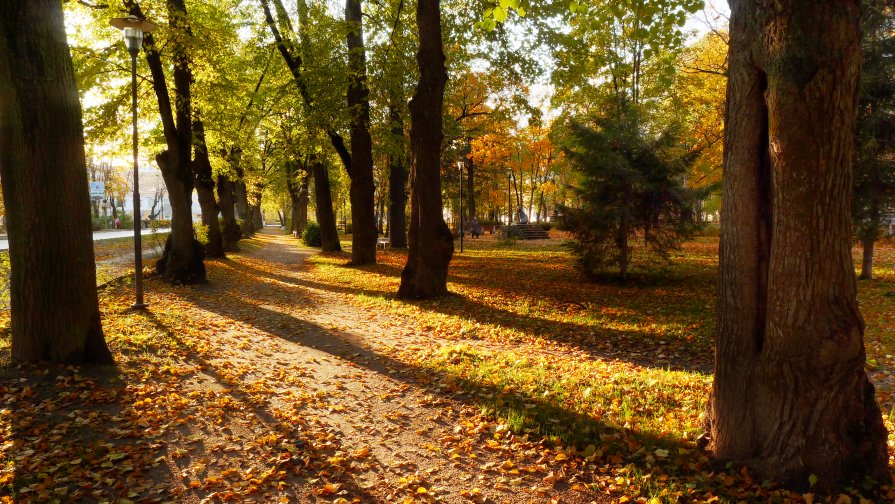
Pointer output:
x,y
326,218
431,244
297,185
205,191
397,184
257,216
791,398
243,212
364,233
230,229
182,259
55,312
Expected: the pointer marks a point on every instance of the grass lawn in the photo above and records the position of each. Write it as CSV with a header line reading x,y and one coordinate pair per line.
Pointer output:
x,y
584,391
621,373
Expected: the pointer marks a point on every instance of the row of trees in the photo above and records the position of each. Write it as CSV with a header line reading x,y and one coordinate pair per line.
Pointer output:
x,y
791,398
177,75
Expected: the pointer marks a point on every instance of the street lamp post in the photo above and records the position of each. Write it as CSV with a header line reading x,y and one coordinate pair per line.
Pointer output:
x,y
133,30
460,168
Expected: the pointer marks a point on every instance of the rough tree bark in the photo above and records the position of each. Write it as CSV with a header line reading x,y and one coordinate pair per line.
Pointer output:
x,y
397,183
791,398
297,184
230,232
364,233
326,218
182,259
254,195
55,312
431,244
243,213
205,191
868,241
257,217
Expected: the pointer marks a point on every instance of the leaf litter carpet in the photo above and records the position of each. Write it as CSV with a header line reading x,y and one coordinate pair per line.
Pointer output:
x,y
262,386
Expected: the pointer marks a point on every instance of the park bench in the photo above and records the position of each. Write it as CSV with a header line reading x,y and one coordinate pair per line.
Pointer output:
x,y
382,243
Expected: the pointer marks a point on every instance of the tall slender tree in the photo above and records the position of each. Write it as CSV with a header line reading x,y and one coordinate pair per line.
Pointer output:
x,y
325,216
397,180
791,398
431,245
182,261
363,237
55,312
875,129
204,182
293,55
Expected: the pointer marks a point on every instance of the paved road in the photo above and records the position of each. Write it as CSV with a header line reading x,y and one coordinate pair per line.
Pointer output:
x,y
101,235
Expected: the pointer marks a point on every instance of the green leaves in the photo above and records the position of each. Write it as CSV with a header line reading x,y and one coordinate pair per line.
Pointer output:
x,y
499,13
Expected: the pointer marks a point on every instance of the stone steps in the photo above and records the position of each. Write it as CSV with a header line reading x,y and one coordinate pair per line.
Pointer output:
x,y
532,231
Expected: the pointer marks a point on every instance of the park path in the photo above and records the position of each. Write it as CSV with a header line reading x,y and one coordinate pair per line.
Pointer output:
x,y
294,354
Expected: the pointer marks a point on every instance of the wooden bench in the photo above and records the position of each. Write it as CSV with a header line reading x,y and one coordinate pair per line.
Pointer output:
x,y
382,243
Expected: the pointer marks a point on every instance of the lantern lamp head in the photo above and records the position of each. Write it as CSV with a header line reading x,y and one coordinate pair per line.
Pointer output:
x,y
133,29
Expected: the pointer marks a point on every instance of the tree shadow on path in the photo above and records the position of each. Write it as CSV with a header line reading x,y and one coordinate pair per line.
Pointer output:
x,y
617,445
637,347
77,434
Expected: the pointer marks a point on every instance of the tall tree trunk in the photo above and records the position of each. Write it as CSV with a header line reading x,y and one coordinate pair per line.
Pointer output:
x,y
303,199
380,212
363,237
230,233
257,216
624,249
867,245
470,187
254,200
243,212
176,264
397,183
182,259
868,240
55,312
326,218
297,184
791,398
205,192
431,244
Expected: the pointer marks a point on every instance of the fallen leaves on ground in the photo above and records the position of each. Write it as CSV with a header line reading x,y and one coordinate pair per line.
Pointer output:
x,y
282,381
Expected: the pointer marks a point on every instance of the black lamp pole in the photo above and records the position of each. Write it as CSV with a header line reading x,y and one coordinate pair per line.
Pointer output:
x,y
133,29
138,236
460,167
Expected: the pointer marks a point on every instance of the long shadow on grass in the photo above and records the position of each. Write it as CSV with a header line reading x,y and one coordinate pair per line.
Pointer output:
x,y
296,435
619,447
74,435
682,288
638,347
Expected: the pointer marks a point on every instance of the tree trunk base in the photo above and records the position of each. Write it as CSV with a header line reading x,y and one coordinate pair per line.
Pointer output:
x,y
231,235
425,275
182,270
